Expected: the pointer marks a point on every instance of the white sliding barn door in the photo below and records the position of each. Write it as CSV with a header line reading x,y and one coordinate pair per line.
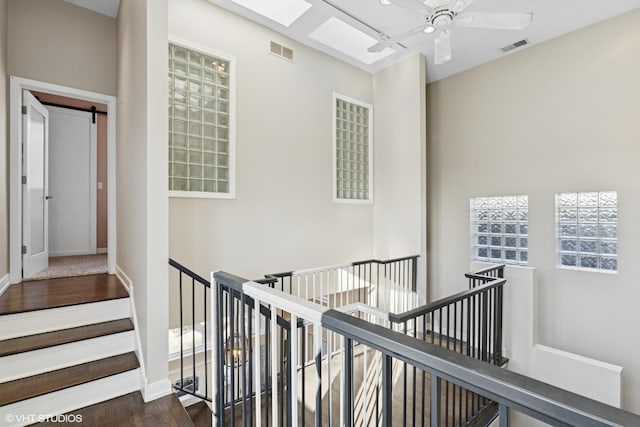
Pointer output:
x,y
72,175
35,247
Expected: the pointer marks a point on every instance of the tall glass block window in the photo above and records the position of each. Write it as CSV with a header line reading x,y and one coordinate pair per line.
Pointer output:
x,y
588,230
200,124
500,229
352,150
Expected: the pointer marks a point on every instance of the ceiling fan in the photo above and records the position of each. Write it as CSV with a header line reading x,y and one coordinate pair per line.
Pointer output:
x,y
440,15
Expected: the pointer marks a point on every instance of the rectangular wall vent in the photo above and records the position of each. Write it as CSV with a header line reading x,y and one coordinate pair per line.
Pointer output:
x,y
276,49
281,51
515,45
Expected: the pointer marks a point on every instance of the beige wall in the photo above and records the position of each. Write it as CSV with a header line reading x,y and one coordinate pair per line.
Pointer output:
x,y
561,116
283,216
142,174
400,163
56,42
4,146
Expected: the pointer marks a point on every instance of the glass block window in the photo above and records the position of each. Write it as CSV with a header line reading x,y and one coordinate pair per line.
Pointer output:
x,y
200,124
588,230
352,150
500,229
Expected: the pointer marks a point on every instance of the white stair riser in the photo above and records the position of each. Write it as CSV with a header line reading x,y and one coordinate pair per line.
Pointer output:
x,y
61,356
35,322
70,399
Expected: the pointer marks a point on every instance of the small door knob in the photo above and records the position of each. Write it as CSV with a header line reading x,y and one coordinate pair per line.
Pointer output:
x,y
48,197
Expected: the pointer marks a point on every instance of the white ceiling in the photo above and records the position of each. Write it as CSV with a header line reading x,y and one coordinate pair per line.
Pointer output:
x,y
471,47
104,7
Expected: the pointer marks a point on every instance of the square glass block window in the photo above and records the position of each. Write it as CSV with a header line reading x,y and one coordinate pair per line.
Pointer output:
x,y
199,134
588,230
500,229
352,150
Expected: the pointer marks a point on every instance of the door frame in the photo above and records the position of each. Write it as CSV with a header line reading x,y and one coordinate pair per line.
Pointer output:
x,y
16,86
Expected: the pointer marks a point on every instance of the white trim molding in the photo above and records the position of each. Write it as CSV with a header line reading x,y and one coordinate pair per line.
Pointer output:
x,y
4,283
16,86
150,391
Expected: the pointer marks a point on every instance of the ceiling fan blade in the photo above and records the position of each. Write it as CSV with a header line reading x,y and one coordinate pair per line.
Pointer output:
x,y
390,41
414,6
498,21
442,48
459,5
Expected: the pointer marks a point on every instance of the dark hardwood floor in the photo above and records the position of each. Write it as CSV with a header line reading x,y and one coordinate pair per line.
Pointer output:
x,y
63,336
131,411
37,385
52,293
200,414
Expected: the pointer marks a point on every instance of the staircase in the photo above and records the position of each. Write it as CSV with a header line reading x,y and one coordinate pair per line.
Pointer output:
x,y
64,344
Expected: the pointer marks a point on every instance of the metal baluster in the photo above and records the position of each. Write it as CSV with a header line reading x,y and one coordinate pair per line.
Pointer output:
x,y
435,401
347,376
387,391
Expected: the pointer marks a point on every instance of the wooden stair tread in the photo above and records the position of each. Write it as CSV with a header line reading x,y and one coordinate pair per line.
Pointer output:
x,y
54,293
131,410
37,385
63,336
200,414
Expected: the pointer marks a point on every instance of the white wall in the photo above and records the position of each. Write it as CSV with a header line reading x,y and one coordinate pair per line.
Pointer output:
x,y
400,163
57,42
561,116
142,175
4,148
283,216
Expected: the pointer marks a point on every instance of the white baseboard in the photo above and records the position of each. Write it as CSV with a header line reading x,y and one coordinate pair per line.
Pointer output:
x,y
128,284
71,253
4,283
102,250
48,359
36,322
67,400
124,279
156,390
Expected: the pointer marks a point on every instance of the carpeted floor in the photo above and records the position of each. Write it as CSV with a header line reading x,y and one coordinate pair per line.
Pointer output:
x,y
70,266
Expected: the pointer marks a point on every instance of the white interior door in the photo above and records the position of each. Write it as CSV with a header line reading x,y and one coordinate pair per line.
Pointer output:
x,y
35,221
72,182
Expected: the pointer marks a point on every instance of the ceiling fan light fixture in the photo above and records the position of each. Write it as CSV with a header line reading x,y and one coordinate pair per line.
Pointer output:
x,y
429,29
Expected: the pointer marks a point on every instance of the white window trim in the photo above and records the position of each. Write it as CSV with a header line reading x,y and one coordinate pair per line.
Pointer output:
x,y
232,122
369,200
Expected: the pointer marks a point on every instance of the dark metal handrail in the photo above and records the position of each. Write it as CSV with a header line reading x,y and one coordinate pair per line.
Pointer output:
x,y
444,302
189,273
510,390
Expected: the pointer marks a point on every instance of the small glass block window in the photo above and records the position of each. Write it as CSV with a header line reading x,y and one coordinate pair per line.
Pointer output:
x,y
588,230
500,229
352,149
200,144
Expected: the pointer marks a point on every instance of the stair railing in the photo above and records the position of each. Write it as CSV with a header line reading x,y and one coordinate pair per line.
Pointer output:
x,y
272,386
195,329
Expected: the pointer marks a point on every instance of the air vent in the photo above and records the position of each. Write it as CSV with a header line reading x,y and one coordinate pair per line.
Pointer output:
x,y
287,53
281,51
276,49
515,45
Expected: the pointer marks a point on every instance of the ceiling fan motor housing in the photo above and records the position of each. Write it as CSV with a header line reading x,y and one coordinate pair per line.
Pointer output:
x,y
442,18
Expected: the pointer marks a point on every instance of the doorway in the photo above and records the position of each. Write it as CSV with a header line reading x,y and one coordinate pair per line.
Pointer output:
x,y
78,194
